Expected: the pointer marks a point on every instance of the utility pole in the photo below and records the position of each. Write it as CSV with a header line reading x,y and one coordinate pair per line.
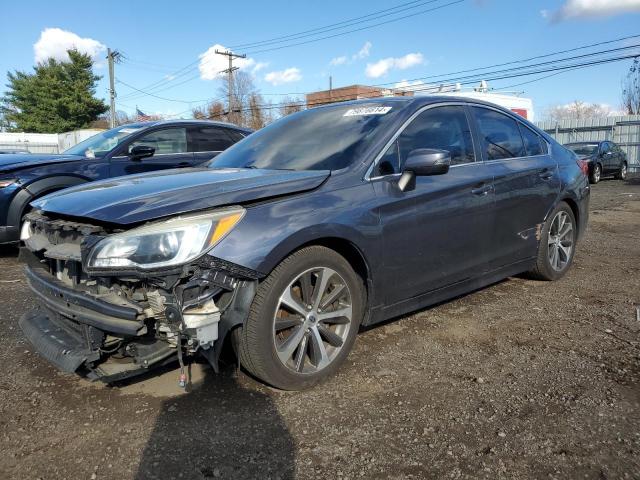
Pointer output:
x,y
230,71
112,57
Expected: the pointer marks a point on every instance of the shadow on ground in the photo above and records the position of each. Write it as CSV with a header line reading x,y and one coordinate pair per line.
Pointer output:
x,y
219,429
8,251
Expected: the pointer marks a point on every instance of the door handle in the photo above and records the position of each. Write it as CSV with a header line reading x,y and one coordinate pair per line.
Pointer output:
x,y
546,175
483,190
184,164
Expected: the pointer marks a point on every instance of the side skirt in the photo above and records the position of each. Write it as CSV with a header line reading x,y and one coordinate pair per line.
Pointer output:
x,y
380,314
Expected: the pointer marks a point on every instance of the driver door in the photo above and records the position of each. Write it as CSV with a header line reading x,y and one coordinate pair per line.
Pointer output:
x,y
438,233
171,151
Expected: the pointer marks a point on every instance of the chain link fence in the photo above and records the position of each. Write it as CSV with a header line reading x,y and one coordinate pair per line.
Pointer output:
x,y
624,131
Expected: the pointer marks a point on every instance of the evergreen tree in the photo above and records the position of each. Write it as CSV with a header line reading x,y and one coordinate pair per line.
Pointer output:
x,y
57,97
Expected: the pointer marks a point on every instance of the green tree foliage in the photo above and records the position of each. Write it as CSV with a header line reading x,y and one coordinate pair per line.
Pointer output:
x,y
57,97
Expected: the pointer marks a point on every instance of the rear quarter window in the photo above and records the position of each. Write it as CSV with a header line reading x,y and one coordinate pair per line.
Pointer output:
x,y
533,143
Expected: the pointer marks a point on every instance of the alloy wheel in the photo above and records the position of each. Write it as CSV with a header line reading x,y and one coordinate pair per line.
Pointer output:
x,y
560,239
596,173
312,320
623,171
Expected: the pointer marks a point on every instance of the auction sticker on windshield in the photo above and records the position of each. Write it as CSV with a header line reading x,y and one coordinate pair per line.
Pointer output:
x,y
366,111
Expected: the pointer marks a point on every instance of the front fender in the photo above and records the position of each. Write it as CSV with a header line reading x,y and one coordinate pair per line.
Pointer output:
x,y
34,190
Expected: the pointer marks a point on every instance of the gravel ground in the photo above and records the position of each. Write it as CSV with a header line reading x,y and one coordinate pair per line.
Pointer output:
x,y
523,379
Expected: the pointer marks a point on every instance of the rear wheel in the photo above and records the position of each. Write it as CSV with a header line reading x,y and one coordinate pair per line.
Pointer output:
x,y
596,173
303,320
622,174
557,244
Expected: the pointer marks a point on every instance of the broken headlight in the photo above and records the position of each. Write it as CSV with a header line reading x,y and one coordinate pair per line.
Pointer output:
x,y
165,244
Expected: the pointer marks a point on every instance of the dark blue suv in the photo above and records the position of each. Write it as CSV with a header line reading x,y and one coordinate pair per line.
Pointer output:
x,y
133,148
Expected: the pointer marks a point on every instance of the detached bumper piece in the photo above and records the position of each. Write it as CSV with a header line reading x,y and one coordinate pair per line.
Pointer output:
x,y
56,344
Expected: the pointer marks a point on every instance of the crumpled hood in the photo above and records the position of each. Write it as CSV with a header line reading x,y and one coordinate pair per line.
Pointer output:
x,y
138,198
10,162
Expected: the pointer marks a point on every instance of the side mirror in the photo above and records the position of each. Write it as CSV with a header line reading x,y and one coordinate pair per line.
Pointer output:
x,y
141,151
423,162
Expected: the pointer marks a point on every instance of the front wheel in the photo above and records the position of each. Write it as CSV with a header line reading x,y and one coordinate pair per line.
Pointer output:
x,y
596,173
557,244
622,174
303,320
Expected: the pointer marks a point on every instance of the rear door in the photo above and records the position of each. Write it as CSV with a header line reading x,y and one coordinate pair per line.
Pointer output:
x,y
526,181
439,232
171,151
208,141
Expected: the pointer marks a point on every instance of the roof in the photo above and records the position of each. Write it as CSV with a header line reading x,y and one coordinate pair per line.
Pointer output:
x,y
416,101
186,121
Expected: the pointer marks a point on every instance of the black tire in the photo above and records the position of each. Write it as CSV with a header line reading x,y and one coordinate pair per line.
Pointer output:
x,y
544,270
622,173
256,338
596,174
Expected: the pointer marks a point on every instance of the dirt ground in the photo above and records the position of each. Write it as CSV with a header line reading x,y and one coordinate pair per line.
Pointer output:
x,y
523,379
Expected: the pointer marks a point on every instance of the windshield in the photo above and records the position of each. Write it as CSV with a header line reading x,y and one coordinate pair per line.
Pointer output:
x,y
323,138
100,144
583,148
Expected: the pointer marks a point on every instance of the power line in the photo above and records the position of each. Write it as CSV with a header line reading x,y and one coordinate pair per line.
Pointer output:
x,y
560,69
433,77
455,2
335,26
156,96
504,73
188,68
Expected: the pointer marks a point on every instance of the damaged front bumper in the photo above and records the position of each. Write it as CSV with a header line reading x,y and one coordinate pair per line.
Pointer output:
x,y
109,327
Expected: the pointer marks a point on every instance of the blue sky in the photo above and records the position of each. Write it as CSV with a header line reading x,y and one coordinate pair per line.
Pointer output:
x,y
161,37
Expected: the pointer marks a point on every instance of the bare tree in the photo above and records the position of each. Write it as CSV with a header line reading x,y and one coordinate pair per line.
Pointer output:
x,y
242,90
256,114
631,89
212,111
577,110
290,105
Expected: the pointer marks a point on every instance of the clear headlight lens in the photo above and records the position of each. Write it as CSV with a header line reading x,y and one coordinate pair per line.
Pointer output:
x,y
25,231
164,244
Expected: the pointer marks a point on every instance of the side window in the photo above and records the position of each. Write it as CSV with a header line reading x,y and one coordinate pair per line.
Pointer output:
x,y
169,140
389,162
208,139
499,134
533,144
442,128
235,135
606,147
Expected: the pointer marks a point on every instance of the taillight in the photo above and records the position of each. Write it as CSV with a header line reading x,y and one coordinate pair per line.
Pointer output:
x,y
584,166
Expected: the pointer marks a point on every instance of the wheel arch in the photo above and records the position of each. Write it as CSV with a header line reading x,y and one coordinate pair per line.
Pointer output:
x,y
36,189
339,238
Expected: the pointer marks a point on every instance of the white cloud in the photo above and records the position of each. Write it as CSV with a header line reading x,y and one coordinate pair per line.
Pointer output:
x,y
338,61
409,84
359,55
382,67
55,42
363,52
259,66
594,8
212,64
283,76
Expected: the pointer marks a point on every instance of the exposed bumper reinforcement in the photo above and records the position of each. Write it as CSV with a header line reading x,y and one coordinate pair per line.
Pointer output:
x,y
82,307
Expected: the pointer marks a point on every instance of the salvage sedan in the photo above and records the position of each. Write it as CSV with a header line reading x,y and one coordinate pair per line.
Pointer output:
x,y
328,220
